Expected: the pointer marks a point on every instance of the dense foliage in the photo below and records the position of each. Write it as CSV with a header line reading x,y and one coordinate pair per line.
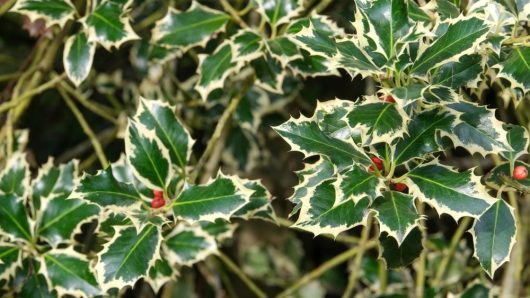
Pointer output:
x,y
437,135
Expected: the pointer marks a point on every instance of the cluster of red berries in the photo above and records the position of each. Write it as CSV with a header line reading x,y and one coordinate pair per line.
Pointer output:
x,y
401,187
520,172
158,200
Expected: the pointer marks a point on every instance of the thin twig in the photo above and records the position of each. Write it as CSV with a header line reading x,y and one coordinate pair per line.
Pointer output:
x,y
16,101
244,278
234,14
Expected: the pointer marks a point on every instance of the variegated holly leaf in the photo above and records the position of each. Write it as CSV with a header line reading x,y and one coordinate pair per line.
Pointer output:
x,y
60,218
214,69
187,245
356,183
219,229
161,273
477,129
283,49
69,273
421,137
407,94
123,172
352,58
128,256
10,260
186,29
396,214
462,73
322,211
78,56
494,236
248,45
160,118
515,68
331,118
259,205
250,110
378,121
312,66
304,135
105,191
53,181
461,37
15,177
148,156
279,11
30,283
14,221
221,198
52,11
454,193
317,40
417,13
108,24
241,150
308,178
438,94
519,140
396,255
269,74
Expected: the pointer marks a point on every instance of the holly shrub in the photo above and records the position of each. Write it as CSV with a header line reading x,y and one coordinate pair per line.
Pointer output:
x,y
164,116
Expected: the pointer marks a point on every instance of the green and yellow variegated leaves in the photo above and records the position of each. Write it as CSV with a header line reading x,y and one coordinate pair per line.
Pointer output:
x,y
269,74
10,259
15,177
60,218
108,24
331,118
402,254
323,212
118,263
69,273
356,184
494,236
283,49
466,72
396,214
259,204
53,181
378,121
78,57
14,222
406,95
183,30
149,158
312,66
123,172
421,138
105,191
279,11
476,129
220,229
317,40
462,36
306,136
187,245
221,198
52,11
519,140
31,283
161,273
160,118
215,68
352,58
248,45
455,193
438,94
515,68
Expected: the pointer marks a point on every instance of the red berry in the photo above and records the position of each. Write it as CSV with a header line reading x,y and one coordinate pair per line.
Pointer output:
x,y
520,172
158,194
371,169
388,98
157,203
378,162
399,187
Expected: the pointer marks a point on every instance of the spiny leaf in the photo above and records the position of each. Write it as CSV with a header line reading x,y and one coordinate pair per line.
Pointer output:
x,y
395,255
214,69
14,222
188,245
466,72
15,177
518,139
279,11
247,45
356,183
10,259
396,214
515,68
53,181
259,204
52,11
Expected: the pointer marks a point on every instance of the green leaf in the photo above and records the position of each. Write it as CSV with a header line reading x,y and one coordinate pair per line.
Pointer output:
x,y
161,273
477,129
219,199
214,69
52,11
148,156
407,94
241,151
70,273
330,116
279,11
259,204
317,41
53,181
30,283
438,94
61,218
78,57
128,256
421,137
160,118
455,193
519,140
416,13
269,74
15,177
283,49
462,36
494,236
104,190
356,183
123,172
475,291
396,214
515,68
378,121
312,66
464,73
395,255
354,59
108,25
304,135
186,29
186,246
10,260
14,222
323,213
220,229
248,45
